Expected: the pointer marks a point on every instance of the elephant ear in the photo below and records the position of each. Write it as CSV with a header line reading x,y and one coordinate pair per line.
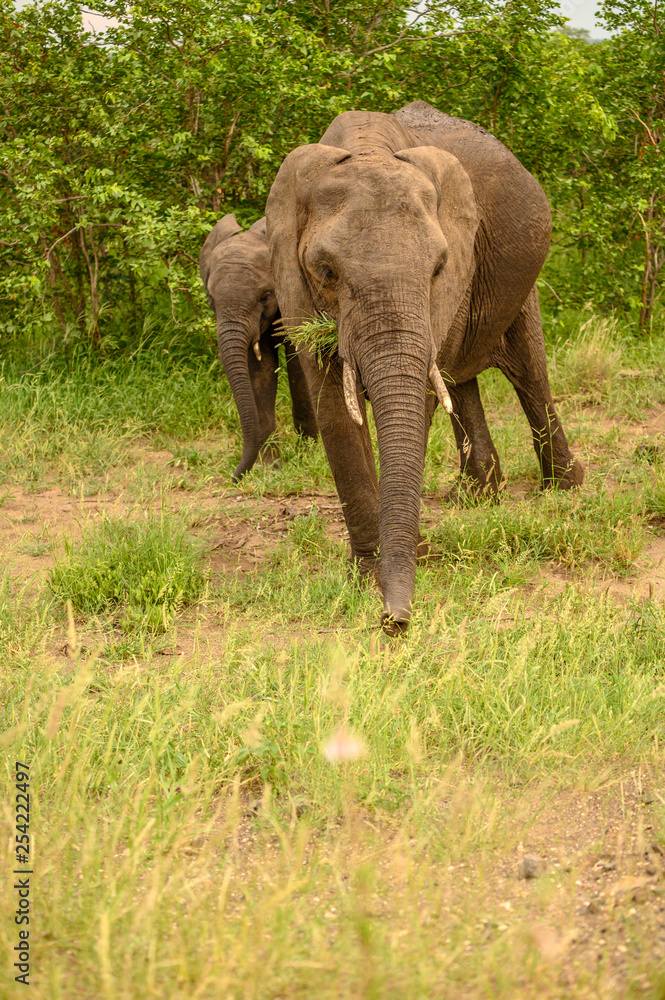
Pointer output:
x,y
222,230
259,228
457,211
286,218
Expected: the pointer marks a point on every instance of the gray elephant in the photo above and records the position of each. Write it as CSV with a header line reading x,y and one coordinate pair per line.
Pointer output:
x,y
423,236
236,274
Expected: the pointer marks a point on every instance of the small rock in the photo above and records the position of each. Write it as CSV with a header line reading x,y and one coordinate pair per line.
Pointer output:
x,y
531,866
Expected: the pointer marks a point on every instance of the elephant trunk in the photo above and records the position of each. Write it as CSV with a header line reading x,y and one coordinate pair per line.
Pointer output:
x,y
395,378
234,342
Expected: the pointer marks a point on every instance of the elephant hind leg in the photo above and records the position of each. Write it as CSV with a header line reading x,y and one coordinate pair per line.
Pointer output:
x,y
480,469
522,359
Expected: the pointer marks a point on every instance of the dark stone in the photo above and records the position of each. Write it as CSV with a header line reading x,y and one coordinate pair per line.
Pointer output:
x,y
531,866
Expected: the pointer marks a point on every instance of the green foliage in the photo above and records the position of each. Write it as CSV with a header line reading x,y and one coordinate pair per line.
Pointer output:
x,y
262,760
118,152
143,572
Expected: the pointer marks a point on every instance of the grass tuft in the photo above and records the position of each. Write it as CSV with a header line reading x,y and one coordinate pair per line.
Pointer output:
x,y
319,335
144,572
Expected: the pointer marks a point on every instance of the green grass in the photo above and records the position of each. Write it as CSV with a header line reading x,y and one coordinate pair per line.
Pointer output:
x,y
141,573
590,362
78,419
604,361
567,529
319,336
74,423
194,839
654,497
147,859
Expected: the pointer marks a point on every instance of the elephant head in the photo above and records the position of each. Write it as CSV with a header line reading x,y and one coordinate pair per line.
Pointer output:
x,y
381,238
236,273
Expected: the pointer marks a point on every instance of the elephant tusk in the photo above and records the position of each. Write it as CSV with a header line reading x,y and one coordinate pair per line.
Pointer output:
x,y
257,350
350,397
440,388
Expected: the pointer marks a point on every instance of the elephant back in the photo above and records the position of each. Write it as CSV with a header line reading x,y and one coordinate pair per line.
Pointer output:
x,y
515,220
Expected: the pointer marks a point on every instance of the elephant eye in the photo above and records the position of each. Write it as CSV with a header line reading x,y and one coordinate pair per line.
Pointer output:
x,y
322,268
440,266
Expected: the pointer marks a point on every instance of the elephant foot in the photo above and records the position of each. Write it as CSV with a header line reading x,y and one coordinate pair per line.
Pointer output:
x,y
392,626
307,431
467,491
571,478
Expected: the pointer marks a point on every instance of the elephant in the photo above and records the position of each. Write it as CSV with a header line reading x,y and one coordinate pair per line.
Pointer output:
x,y
423,236
236,274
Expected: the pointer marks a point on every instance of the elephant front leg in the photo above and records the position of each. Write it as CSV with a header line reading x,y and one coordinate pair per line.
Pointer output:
x,y
302,410
522,359
349,451
480,470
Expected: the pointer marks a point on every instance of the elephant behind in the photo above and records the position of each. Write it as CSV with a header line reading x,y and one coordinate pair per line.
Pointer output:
x,y
423,236
237,276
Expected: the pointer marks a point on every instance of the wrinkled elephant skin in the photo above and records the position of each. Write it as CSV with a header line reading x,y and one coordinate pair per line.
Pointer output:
x,y
236,274
423,236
